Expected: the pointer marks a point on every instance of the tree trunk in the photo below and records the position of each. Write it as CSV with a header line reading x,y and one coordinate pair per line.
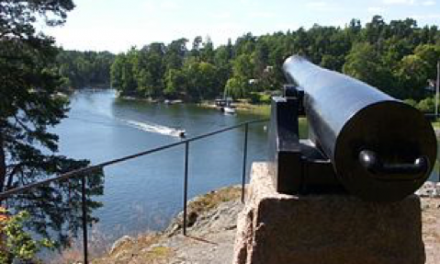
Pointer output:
x,y
2,164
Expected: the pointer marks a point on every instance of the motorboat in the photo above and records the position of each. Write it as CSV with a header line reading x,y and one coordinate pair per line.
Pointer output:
x,y
181,133
229,110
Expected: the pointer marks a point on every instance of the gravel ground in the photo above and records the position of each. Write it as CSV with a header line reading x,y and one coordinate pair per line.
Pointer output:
x,y
211,239
431,229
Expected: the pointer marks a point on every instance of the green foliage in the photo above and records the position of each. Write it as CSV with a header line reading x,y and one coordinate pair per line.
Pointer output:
x,y
237,87
29,107
411,102
259,98
364,63
85,69
426,105
16,243
412,75
396,57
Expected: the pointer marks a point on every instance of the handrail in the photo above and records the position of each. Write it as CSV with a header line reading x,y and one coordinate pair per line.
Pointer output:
x,y
82,172
79,172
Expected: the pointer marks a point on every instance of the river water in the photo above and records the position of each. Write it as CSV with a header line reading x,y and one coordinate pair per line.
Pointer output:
x,y
145,193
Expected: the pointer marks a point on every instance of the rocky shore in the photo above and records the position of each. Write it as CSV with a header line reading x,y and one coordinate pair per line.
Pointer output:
x,y
212,226
211,235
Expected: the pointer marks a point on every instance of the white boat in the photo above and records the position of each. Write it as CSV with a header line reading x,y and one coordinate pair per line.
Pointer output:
x,y
229,110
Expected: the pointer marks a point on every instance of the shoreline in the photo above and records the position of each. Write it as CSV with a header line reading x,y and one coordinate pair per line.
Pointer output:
x,y
259,109
244,107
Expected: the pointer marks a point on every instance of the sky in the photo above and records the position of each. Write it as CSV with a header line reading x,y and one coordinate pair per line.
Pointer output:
x,y
118,25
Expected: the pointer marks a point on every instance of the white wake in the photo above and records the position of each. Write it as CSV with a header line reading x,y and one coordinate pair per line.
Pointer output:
x,y
153,128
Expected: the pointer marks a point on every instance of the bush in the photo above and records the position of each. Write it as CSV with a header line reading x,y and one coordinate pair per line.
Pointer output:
x,y
411,102
426,105
15,243
259,98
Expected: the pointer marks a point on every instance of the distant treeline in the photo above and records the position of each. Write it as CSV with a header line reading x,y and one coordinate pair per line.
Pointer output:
x,y
398,57
85,69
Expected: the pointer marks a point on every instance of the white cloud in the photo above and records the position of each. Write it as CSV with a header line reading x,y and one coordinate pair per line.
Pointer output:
x,y
169,5
426,17
410,2
399,2
152,6
375,10
317,4
429,3
222,15
262,15
287,26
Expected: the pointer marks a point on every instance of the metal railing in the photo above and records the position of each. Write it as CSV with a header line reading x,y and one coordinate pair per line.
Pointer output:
x,y
84,171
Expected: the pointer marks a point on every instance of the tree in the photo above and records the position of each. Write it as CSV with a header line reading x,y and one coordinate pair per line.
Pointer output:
x,y
261,57
85,69
374,30
364,63
28,107
175,83
243,67
237,87
116,71
431,55
372,53
175,54
412,75
195,51
207,52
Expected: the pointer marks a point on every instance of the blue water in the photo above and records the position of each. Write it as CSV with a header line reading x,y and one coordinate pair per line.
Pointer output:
x,y
145,193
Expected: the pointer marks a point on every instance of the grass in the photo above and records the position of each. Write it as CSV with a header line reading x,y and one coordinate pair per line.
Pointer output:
x,y
125,252
214,198
159,252
435,124
261,109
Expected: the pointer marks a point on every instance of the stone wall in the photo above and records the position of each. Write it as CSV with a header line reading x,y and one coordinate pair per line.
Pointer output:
x,y
275,228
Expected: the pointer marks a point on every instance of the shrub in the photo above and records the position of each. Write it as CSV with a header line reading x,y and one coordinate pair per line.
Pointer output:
x,y
15,243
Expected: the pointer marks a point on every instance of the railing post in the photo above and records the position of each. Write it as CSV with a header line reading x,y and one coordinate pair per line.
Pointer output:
x,y
243,179
185,187
84,218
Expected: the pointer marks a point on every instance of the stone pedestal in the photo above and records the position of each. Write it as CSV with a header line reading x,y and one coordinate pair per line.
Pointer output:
x,y
341,229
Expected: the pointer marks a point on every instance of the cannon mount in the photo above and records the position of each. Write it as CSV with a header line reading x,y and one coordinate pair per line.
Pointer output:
x,y
298,167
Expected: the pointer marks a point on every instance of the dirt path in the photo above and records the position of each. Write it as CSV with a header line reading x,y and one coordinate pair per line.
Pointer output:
x,y
211,238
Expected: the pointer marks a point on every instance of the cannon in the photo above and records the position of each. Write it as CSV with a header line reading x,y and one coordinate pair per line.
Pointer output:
x,y
361,141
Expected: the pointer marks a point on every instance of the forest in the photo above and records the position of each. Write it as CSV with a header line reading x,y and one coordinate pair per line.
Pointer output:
x,y
84,69
398,57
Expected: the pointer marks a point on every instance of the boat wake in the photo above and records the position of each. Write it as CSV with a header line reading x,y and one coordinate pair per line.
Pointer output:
x,y
142,126
153,128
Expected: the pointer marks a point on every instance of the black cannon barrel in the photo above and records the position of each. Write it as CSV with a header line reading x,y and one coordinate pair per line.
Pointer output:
x,y
381,148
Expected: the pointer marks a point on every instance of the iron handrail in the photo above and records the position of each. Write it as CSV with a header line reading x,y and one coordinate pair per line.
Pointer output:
x,y
89,169
83,172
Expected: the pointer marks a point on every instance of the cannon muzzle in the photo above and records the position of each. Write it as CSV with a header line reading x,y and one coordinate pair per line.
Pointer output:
x,y
380,148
